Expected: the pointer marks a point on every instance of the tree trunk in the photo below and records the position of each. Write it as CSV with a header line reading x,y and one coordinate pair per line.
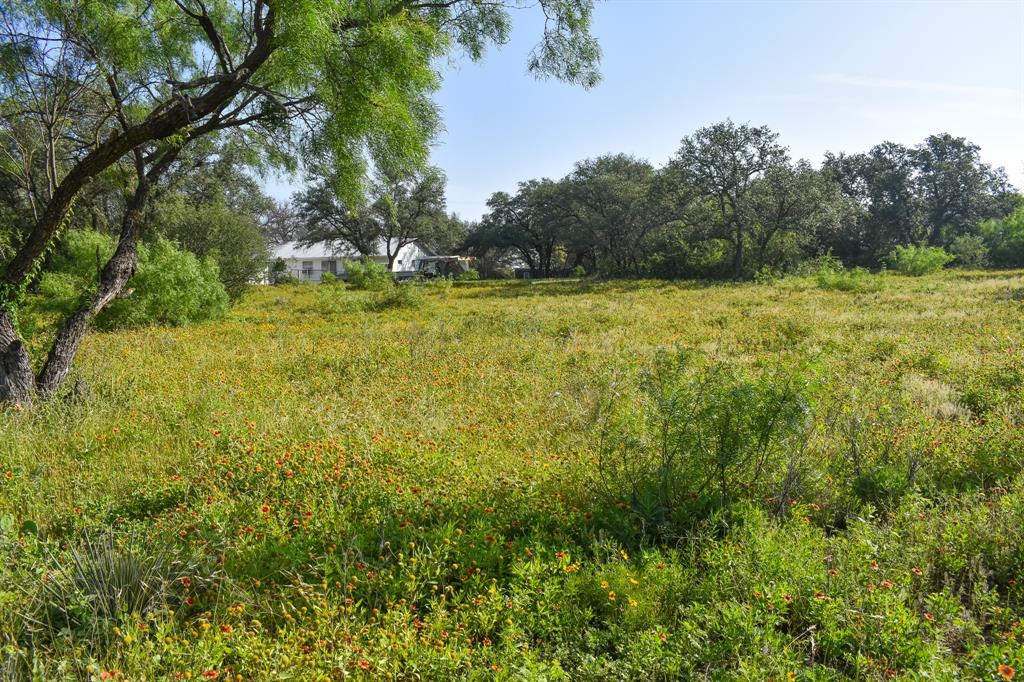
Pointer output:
x,y
16,381
114,275
737,255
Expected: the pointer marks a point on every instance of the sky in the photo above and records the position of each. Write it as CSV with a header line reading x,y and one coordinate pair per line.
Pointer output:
x,y
825,75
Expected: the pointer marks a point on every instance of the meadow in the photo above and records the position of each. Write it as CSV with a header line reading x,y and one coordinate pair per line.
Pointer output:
x,y
458,483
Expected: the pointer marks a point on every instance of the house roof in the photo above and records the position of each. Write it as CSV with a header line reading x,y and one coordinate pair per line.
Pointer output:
x,y
296,251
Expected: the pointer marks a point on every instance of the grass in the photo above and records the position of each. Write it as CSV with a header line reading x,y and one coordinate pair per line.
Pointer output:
x,y
343,487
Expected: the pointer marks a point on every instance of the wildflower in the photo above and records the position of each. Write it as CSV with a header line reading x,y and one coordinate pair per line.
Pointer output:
x,y
604,584
265,509
226,629
917,571
210,674
887,584
611,596
632,602
8,475
1006,672
929,617
185,581
788,598
487,642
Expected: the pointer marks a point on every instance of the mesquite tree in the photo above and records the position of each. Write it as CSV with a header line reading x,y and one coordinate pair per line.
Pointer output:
x,y
91,85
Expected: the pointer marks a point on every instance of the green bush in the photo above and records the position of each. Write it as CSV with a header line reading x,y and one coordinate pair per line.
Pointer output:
x,y
328,278
170,286
405,295
471,275
918,260
1005,240
368,275
969,251
695,436
857,280
232,239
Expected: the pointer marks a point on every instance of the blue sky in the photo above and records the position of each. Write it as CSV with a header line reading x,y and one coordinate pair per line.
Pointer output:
x,y
838,76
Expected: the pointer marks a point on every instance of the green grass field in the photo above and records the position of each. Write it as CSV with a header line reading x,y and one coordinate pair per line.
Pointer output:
x,y
324,486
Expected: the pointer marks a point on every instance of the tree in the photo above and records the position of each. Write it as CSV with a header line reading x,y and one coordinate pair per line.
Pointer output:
x,y
882,182
794,211
402,209
532,222
722,162
610,208
409,208
957,190
136,81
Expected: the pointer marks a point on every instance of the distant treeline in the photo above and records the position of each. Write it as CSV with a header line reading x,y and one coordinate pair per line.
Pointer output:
x,y
732,203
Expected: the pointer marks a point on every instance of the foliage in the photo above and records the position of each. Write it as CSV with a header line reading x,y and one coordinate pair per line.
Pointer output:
x,y
857,280
969,251
409,492
1005,240
368,275
705,431
470,275
170,286
731,203
216,231
918,260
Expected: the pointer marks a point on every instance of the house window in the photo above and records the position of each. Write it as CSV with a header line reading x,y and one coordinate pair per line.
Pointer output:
x,y
307,268
330,266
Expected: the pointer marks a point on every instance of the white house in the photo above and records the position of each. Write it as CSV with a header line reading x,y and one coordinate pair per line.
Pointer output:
x,y
310,263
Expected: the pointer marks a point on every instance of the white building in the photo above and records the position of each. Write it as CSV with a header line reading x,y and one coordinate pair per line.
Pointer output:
x,y
310,263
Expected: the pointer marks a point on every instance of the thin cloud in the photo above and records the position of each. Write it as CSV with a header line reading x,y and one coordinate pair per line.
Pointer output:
x,y
919,86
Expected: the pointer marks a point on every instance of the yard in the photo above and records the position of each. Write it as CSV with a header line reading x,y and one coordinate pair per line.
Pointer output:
x,y
323,487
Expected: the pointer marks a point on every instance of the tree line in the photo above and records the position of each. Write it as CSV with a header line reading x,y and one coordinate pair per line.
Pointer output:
x,y
731,202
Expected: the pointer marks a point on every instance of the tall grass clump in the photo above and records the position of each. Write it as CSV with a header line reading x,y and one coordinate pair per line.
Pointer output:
x,y
100,583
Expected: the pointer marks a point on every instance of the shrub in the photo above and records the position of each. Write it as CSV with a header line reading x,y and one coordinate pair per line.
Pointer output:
x,y
215,230
406,295
1005,240
368,275
471,275
918,260
170,286
702,434
328,278
579,271
857,280
969,251
98,583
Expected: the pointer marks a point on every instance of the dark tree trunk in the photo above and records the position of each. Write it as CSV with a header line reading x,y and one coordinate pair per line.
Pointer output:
x,y
737,255
114,275
16,381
